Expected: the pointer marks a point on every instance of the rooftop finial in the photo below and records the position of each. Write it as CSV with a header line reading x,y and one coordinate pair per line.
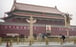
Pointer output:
x,y
14,1
56,7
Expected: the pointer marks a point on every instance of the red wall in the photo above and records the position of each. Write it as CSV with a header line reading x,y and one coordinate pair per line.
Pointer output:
x,y
58,31
4,29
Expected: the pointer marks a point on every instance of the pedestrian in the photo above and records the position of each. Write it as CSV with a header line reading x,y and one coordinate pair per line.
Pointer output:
x,y
63,38
35,36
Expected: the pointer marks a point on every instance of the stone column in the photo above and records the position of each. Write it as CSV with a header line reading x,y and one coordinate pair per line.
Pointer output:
x,y
67,24
31,21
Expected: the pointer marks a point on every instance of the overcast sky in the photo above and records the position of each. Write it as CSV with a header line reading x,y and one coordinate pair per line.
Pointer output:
x,y
67,6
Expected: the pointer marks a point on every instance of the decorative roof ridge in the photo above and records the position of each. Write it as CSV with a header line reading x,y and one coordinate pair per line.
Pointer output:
x,y
58,10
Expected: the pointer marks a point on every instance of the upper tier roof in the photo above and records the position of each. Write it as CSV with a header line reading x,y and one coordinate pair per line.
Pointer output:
x,y
35,8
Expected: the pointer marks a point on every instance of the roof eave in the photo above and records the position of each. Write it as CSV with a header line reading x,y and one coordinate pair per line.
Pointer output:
x,y
12,9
